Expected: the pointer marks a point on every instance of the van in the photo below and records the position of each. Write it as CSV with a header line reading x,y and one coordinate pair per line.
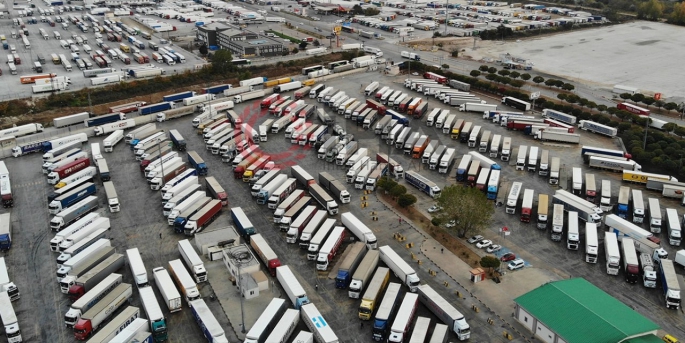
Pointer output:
x,y
98,35
37,67
99,42
12,67
55,59
146,35
14,33
670,339
74,48
80,64
13,48
57,35
67,66
40,58
63,44
74,56
113,54
87,48
180,58
84,39
153,46
65,26
516,264
70,42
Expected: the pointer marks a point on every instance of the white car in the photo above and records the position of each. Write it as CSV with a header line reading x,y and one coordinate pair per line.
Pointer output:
x,y
434,208
451,223
475,239
516,264
484,244
494,248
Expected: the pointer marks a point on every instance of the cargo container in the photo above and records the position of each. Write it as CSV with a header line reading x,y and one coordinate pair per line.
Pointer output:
x,y
166,287
265,253
184,281
76,288
9,319
317,324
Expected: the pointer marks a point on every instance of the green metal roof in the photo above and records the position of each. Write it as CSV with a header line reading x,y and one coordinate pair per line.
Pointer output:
x,y
645,339
566,306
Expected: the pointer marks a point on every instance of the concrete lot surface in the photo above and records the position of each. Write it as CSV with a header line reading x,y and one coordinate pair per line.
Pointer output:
x,y
139,224
639,54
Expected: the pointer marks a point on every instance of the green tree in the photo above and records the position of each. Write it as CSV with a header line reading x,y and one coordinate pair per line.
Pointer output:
x,y
650,10
303,45
670,127
637,97
568,87
648,100
659,104
445,66
625,96
397,190
221,62
490,262
203,49
475,73
455,53
492,70
538,79
549,82
525,76
670,106
483,68
561,96
680,131
517,83
467,206
515,75
677,17
406,200
387,184
491,77
504,72
602,108
624,127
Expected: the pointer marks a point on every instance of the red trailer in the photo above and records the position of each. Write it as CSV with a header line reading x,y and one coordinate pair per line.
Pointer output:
x,y
556,123
216,191
68,169
269,100
242,166
264,251
520,125
633,109
127,108
203,217
376,106
436,77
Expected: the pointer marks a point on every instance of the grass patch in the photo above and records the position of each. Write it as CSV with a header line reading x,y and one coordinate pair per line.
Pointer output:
x,y
284,36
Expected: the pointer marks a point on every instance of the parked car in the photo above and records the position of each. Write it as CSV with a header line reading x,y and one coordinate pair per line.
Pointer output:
x,y
475,239
483,244
434,208
494,248
510,256
451,223
515,264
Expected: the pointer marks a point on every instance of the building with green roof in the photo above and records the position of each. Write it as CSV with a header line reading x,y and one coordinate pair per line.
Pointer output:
x,y
575,311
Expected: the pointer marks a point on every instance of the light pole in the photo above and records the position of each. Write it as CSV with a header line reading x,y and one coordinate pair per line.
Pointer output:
x,y
240,258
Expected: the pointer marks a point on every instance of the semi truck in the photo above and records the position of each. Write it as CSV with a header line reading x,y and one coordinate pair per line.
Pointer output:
x,y
400,267
184,281
293,288
5,232
114,126
670,284
174,113
317,324
156,320
334,186
76,288
86,174
330,248
351,259
68,169
211,328
359,229
73,213
405,316
112,140
81,263
422,183
266,321
96,316
6,285
445,311
242,222
381,325
72,197
112,198
285,327
323,198
9,319
654,215
193,261
371,298
138,271
363,273
73,250
91,298
265,253
171,296
116,325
